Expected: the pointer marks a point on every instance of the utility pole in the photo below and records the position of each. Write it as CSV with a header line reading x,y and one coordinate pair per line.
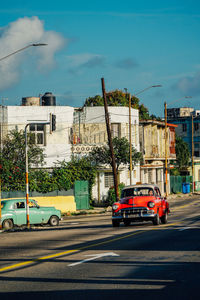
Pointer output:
x,y
166,181
130,139
110,140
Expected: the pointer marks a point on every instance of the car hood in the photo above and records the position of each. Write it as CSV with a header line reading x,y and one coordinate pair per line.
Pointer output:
x,y
140,201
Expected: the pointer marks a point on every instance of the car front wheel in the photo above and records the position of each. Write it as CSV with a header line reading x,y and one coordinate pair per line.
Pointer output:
x,y
7,224
115,223
54,221
164,218
156,220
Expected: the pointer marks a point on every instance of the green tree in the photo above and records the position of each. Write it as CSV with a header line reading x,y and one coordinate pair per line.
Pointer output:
x,y
12,160
119,98
182,155
66,173
101,155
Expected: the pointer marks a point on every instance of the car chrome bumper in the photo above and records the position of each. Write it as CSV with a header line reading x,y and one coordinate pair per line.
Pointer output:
x,y
135,214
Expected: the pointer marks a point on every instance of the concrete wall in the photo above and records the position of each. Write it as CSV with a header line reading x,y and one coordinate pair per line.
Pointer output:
x,y
64,203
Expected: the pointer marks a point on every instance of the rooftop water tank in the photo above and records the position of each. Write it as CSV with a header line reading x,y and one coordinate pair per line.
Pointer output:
x,y
30,101
48,99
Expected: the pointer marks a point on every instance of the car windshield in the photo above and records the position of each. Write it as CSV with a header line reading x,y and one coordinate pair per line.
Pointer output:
x,y
140,191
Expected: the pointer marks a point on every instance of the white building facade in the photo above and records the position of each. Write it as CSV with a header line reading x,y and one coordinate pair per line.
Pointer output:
x,y
56,145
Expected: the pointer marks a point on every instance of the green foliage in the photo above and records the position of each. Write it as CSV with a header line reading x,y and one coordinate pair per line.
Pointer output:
x,y
111,194
101,155
12,160
182,154
66,173
119,98
175,172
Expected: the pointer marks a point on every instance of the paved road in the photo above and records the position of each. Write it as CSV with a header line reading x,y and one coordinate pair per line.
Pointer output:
x,y
85,258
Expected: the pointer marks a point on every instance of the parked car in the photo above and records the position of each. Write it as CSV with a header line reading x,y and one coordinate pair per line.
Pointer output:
x,y
140,203
13,212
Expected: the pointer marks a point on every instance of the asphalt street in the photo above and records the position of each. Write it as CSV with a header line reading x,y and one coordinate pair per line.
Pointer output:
x,y
86,258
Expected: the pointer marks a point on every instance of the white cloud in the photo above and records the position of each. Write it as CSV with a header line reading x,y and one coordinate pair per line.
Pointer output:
x,y
26,31
189,85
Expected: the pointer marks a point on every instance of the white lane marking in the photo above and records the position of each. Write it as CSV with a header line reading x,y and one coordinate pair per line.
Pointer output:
x,y
186,228
94,256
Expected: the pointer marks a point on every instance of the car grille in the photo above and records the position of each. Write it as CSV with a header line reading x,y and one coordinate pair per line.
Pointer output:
x,y
132,211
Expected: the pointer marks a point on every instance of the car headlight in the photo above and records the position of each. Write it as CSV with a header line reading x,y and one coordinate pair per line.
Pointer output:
x,y
151,204
115,207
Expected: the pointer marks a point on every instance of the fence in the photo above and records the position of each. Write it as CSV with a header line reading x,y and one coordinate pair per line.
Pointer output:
x,y
176,183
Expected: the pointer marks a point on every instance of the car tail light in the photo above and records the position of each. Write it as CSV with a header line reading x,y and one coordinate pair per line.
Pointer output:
x,y
151,204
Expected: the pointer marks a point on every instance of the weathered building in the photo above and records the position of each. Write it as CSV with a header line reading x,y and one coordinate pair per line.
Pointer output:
x,y
152,145
89,130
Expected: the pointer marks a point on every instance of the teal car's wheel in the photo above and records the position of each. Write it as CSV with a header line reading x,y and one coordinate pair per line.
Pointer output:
x,y
54,221
7,224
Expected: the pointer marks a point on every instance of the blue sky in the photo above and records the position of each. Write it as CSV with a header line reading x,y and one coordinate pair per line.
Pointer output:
x,y
132,44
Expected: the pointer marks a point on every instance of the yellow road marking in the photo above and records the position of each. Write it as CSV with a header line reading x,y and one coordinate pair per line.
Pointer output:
x,y
36,260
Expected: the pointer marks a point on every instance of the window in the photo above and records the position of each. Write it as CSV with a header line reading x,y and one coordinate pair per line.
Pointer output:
x,y
116,130
37,134
157,192
20,205
32,205
197,149
140,191
196,126
184,127
109,181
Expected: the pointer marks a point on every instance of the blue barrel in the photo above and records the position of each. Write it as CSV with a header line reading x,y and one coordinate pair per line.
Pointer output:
x,y
185,188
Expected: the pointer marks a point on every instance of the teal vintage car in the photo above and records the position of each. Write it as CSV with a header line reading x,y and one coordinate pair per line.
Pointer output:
x,y
13,213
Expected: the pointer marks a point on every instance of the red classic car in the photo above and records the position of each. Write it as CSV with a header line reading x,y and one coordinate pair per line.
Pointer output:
x,y
140,203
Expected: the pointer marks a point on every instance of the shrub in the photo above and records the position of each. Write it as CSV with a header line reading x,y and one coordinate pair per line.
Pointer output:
x,y
111,194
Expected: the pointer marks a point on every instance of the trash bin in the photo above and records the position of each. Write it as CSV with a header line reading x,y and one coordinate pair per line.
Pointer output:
x,y
185,188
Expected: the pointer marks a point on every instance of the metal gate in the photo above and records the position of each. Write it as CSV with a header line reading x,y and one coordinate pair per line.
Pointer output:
x,y
81,191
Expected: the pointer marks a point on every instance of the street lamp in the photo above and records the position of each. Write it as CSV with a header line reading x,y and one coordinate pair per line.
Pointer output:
x,y
147,88
166,156
31,45
130,137
7,56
